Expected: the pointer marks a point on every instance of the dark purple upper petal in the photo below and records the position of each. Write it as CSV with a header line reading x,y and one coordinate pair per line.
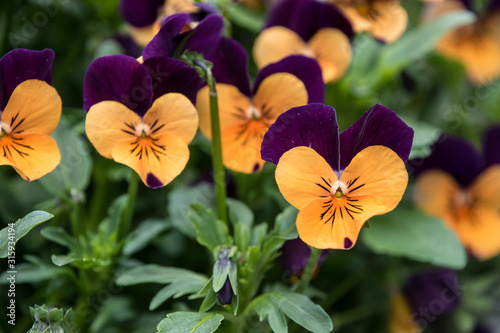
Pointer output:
x,y
204,38
172,75
20,65
494,5
313,125
118,78
128,45
140,13
454,156
295,255
225,295
205,10
378,126
306,17
306,69
163,43
230,65
492,145
423,290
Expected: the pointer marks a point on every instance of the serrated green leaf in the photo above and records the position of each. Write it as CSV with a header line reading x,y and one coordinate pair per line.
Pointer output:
x,y
419,41
412,234
21,228
239,212
190,322
297,307
210,232
144,234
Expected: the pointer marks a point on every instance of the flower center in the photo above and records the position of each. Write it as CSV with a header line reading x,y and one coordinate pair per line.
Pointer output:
x,y
142,131
338,194
253,113
4,129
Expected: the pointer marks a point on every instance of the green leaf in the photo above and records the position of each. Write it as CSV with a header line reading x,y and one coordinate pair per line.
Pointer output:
x,y
419,41
59,236
144,234
239,212
181,281
35,270
285,223
242,236
179,200
221,272
425,136
190,322
210,232
9,236
297,307
76,165
412,234
241,16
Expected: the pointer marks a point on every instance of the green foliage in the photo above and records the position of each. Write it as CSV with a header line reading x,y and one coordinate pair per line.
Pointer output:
x,y
190,322
425,136
9,236
145,232
412,234
299,308
210,232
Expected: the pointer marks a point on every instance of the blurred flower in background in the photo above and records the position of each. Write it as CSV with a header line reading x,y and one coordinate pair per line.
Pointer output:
x,y
307,27
462,187
30,109
475,45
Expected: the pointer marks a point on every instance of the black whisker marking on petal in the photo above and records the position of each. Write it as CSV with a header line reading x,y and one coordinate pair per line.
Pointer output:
x,y
154,124
327,183
22,145
349,199
157,129
131,126
360,186
341,215
19,123
349,212
351,182
324,188
128,132
13,119
239,109
356,206
322,215
162,147
21,153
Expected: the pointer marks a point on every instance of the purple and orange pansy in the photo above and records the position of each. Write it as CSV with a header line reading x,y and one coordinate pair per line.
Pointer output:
x,y
462,187
30,109
338,181
246,113
144,17
475,45
142,115
310,28
385,20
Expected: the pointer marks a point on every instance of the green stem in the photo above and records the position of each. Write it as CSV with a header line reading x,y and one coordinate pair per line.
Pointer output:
x,y
129,209
219,173
308,271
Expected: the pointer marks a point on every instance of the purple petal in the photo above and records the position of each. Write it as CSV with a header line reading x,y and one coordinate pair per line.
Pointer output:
x,y
378,126
20,65
225,295
492,146
306,17
152,181
172,75
163,43
230,65
313,125
204,38
453,155
306,69
118,78
205,10
295,255
140,13
494,5
128,45
437,291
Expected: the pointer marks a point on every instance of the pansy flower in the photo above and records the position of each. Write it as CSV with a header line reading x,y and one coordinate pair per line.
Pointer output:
x,y
476,45
144,17
139,115
307,27
385,20
338,181
30,109
462,187
173,39
245,113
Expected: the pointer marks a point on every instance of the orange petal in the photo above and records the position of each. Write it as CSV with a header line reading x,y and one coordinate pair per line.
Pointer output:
x,y
34,106
144,35
172,7
174,114
320,225
375,181
108,123
478,230
389,22
275,43
233,107
332,49
434,191
278,93
157,159
486,188
33,155
401,318
303,176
